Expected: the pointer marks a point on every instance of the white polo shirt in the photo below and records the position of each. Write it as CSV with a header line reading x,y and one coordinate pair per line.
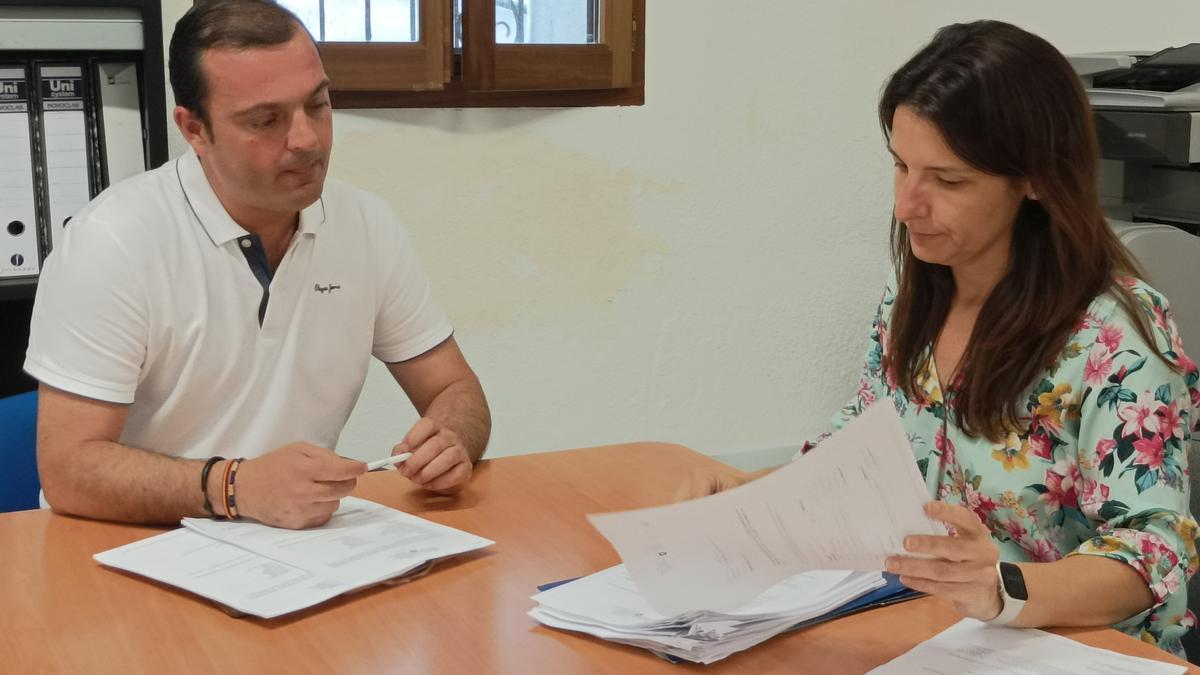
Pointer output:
x,y
154,300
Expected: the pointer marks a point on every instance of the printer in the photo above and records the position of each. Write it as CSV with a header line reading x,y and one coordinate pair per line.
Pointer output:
x,y
1147,114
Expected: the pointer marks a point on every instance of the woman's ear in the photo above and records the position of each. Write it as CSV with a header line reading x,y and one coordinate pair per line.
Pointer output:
x,y
1030,193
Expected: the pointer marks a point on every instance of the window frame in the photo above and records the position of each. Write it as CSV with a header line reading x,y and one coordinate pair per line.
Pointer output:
x,y
604,64
424,65
608,72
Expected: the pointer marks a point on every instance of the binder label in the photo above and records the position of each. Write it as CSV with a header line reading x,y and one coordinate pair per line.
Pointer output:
x,y
62,93
14,98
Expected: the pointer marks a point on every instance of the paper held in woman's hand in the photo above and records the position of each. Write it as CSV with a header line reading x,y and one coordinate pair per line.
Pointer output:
x,y
847,504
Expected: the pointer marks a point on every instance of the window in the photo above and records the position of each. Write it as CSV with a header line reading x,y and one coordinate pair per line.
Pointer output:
x,y
519,22
358,20
379,45
472,53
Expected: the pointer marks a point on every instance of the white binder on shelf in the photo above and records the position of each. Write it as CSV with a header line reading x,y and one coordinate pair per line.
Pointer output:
x,y
119,120
19,255
65,144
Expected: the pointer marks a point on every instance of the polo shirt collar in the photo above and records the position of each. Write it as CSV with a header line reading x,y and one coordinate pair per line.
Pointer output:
x,y
213,217
313,217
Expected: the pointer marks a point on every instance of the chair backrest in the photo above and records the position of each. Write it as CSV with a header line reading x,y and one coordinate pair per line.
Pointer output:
x,y
1168,258
19,486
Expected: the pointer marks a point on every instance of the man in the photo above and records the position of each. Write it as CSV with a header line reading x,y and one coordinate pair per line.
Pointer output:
x,y
227,305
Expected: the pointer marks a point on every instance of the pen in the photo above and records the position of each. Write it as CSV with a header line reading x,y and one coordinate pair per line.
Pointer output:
x,y
388,462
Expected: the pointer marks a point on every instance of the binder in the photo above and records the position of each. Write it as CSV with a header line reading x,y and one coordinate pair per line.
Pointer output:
x,y
68,129
118,120
19,251
66,143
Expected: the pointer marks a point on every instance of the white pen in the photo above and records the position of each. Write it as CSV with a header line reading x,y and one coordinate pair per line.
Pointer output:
x,y
388,462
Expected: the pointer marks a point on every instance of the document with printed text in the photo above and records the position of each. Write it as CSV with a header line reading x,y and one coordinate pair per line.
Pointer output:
x,y
847,504
364,542
267,572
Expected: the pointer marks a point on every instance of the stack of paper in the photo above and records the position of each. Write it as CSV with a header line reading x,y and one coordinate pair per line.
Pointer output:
x,y
267,571
607,604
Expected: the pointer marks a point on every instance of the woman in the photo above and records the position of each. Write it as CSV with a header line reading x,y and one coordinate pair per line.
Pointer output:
x,y
1044,387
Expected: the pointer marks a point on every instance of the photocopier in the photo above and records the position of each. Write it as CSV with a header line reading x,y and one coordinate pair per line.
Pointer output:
x,y
1147,114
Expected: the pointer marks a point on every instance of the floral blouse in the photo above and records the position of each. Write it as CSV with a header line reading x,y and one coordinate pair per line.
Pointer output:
x,y
1099,466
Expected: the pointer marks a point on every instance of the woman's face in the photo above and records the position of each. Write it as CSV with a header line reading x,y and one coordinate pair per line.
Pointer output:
x,y
956,215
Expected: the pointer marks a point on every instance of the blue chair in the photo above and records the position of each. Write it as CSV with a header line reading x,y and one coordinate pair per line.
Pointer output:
x,y
19,485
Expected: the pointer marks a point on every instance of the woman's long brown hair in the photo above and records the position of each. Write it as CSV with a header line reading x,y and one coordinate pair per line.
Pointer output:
x,y
1009,104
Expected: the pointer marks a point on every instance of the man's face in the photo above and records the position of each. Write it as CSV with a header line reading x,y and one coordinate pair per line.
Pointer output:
x,y
271,127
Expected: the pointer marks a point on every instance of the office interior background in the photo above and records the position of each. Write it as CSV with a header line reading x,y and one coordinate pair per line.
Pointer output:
x,y
702,269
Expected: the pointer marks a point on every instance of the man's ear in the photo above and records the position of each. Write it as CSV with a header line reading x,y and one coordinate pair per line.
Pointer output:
x,y
193,129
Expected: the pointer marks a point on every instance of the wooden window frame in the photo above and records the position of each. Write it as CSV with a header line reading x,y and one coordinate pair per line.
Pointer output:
x,y
395,66
608,72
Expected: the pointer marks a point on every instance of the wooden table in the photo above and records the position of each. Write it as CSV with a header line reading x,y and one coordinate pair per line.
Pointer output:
x,y
64,612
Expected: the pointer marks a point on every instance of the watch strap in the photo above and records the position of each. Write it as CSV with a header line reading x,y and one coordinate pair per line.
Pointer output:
x,y
1011,606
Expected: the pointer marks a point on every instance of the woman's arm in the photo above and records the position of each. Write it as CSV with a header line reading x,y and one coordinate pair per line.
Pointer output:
x,y
1079,590
1136,419
1082,591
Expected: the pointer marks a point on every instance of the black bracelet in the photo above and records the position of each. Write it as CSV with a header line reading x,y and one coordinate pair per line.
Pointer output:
x,y
204,482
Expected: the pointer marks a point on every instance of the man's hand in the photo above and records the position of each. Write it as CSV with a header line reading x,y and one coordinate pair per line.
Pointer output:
x,y
705,482
295,486
439,461
961,567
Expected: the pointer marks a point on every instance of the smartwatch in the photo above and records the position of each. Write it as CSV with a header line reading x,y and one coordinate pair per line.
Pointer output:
x,y
1013,593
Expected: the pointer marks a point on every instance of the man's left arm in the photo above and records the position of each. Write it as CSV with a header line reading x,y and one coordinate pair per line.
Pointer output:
x,y
455,421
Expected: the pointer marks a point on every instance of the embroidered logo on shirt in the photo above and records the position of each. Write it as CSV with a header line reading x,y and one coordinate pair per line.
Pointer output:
x,y
327,288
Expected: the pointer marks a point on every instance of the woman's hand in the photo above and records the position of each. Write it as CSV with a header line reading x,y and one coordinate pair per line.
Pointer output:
x,y
961,567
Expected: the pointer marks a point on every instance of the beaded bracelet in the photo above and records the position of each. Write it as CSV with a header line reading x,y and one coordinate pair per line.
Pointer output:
x,y
204,482
231,470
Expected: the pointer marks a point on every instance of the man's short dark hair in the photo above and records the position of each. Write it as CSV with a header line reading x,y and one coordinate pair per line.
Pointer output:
x,y
228,24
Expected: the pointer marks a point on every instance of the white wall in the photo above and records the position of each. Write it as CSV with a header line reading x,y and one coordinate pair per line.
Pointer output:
x,y
701,269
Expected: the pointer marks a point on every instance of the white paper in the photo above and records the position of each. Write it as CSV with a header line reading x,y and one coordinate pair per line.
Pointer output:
x,y
608,605
268,571
611,597
245,581
973,647
847,504
363,542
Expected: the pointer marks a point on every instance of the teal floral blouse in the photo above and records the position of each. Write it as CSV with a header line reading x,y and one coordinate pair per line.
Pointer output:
x,y
1099,466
